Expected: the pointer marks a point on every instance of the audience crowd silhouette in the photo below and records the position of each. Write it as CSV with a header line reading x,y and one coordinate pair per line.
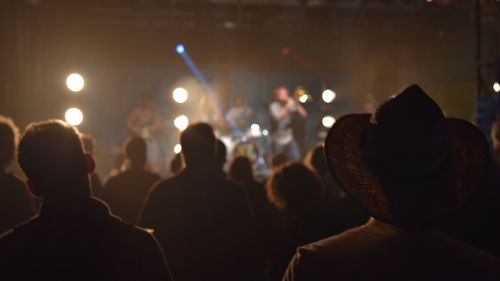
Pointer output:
x,y
402,194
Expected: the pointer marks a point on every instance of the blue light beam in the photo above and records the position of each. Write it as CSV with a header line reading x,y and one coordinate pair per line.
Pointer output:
x,y
181,50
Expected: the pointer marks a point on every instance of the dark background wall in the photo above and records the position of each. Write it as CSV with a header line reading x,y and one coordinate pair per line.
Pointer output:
x,y
359,48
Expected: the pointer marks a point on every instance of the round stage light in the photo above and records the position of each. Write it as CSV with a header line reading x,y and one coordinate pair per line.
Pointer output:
x,y
180,95
180,49
74,116
496,87
75,82
177,149
328,121
181,122
265,132
328,96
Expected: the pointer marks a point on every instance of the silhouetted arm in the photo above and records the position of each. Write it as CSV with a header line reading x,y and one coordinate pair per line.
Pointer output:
x,y
300,109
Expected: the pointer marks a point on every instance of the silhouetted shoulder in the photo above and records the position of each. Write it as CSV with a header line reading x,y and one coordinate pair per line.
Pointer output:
x,y
14,241
391,255
16,205
11,185
129,251
20,230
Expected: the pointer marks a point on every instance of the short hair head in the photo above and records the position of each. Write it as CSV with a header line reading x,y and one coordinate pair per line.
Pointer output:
x,y
278,160
281,93
239,100
9,135
147,98
198,144
51,155
241,170
294,188
136,151
316,160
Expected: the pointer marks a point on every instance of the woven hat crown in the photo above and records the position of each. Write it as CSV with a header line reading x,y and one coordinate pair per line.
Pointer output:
x,y
407,137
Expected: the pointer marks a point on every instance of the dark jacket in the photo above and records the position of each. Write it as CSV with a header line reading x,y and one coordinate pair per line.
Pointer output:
x,y
380,251
16,205
204,225
295,229
80,240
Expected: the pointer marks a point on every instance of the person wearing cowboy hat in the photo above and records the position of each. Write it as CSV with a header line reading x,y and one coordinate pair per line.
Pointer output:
x,y
410,168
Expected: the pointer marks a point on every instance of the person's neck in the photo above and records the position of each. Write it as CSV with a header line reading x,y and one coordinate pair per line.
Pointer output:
x,y
67,200
137,167
204,166
78,190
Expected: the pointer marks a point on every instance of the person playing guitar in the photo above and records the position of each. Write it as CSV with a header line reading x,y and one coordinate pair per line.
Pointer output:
x,y
145,122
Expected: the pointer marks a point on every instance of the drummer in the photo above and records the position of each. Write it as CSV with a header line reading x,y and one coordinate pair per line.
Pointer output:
x,y
240,115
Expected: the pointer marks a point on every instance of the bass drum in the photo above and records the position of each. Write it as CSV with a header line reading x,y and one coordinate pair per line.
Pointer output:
x,y
246,148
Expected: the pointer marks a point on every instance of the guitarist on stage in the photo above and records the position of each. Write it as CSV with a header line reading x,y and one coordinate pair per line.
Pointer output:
x,y
145,122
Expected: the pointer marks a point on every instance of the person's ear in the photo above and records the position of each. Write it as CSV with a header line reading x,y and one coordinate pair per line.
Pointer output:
x,y
90,163
33,189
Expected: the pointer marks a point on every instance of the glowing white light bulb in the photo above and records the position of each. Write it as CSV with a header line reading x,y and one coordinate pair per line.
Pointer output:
x,y
328,121
75,82
328,96
180,95
181,122
74,116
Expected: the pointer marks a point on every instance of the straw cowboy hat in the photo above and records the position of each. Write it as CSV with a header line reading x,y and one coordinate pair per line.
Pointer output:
x,y
407,163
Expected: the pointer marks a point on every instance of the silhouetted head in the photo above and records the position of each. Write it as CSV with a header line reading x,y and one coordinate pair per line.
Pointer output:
x,y
294,188
176,164
9,135
88,143
220,154
281,94
241,170
136,152
407,163
51,155
279,159
198,145
316,160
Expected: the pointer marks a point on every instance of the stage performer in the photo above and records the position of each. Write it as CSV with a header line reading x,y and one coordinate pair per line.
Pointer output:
x,y
283,109
240,116
145,122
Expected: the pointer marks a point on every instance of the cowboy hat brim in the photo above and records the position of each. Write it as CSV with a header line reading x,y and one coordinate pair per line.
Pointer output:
x,y
469,156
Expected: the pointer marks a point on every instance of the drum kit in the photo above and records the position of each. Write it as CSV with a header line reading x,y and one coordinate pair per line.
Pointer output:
x,y
253,143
